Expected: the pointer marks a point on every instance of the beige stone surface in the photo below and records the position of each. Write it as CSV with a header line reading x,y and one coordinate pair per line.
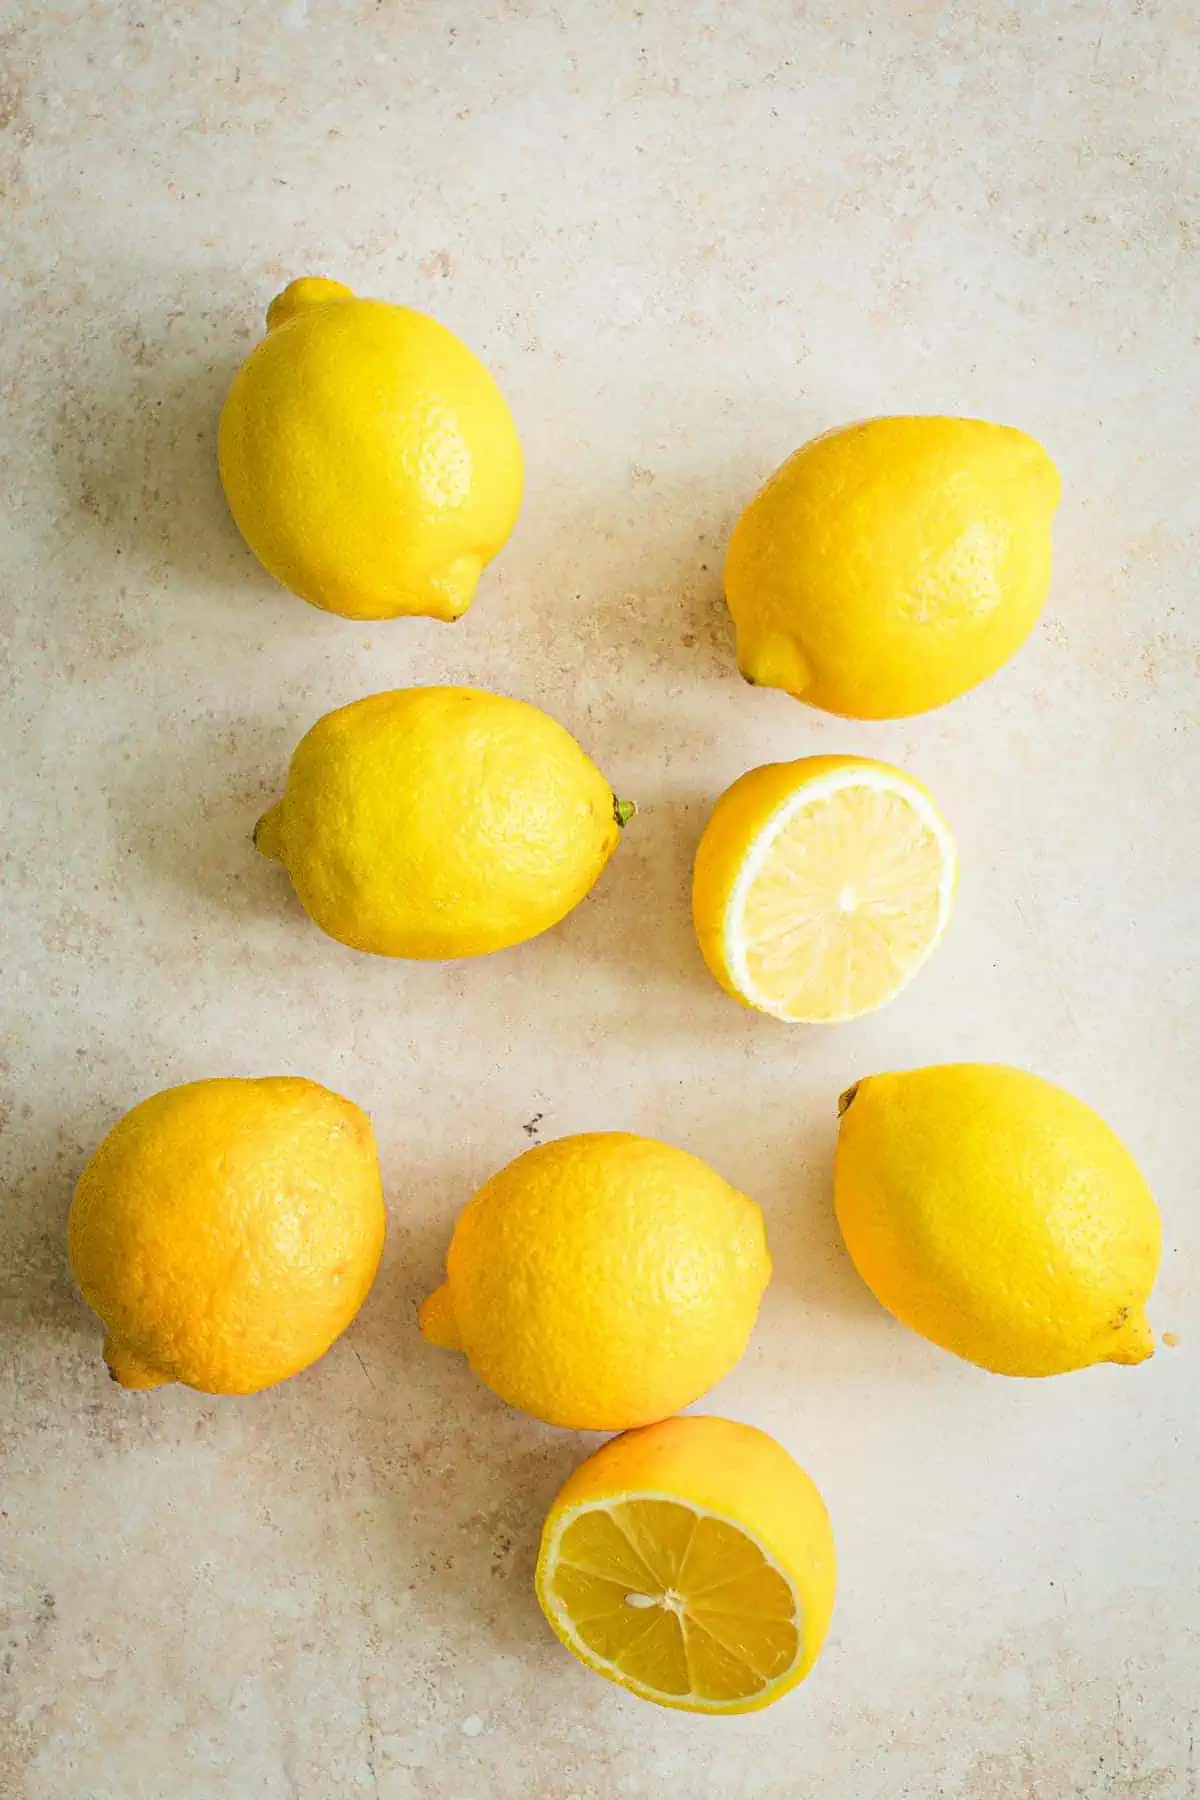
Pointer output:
x,y
686,237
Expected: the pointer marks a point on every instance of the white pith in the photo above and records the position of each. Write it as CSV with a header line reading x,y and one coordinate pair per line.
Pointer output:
x,y
670,1600
813,793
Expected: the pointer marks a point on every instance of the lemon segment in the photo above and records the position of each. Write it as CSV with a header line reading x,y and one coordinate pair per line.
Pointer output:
x,y
711,1592
822,886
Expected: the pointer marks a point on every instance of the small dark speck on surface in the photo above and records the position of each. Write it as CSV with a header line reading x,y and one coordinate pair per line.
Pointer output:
x,y
530,1127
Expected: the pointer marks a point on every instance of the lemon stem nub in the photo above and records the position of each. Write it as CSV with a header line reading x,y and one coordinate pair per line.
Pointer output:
x,y
844,1100
623,811
268,834
437,1322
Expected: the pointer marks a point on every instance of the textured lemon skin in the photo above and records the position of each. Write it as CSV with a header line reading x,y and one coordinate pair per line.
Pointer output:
x,y
369,459
737,819
602,1281
728,1469
999,1217
228,1231
440,822
887,567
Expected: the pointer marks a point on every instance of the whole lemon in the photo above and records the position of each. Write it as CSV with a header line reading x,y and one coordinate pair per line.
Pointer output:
x,y
441,822
602,1281
998,1216
370,461
227,1232
887,567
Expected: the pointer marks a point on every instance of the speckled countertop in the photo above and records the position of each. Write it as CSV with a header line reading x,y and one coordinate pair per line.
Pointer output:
x,y
686,237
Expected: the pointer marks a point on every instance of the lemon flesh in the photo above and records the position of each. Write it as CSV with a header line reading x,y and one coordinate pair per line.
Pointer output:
x,y
368,457
999,1217
602,1281
887,567
228,1231
693,1564
441,822
822,886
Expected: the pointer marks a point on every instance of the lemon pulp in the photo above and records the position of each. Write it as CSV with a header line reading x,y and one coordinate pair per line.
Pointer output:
x,y
822,886
679,1603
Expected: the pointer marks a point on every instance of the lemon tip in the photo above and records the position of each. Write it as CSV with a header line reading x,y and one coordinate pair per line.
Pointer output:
x,y
776,661
128,1370
1135,1340
267,836
436,1321
301,295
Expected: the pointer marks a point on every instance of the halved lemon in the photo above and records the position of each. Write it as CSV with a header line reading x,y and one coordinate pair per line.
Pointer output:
x,y
821,886
692,1563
